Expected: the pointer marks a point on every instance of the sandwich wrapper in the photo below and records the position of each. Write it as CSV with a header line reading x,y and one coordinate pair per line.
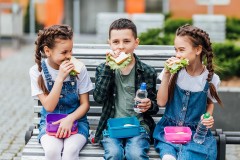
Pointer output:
x,y
51,129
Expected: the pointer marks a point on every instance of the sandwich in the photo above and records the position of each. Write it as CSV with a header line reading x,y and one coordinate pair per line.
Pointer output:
x,y
119,62
176,65
77,66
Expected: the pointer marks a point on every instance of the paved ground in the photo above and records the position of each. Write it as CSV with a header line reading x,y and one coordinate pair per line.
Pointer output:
x,y
16,104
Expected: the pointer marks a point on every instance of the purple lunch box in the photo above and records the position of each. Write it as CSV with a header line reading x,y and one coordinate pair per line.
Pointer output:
x,y
53,117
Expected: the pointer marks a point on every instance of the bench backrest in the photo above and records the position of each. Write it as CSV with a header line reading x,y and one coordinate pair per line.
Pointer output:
x,y
92,56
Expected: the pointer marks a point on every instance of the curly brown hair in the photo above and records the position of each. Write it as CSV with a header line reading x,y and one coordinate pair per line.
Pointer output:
x,y
47,37
198,37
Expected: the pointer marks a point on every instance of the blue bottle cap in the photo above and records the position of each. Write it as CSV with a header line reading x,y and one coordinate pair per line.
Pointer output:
x,y
143,86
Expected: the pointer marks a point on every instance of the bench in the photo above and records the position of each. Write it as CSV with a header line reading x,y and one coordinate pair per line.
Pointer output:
x,y
92,55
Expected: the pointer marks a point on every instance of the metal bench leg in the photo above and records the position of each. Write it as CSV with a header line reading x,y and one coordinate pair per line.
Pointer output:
x,y
221,155
29,134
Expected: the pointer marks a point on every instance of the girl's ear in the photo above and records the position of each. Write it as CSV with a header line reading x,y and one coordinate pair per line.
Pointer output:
x,y
199,50
46,51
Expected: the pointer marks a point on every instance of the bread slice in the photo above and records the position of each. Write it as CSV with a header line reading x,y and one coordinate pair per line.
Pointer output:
x,y
77,65
121,58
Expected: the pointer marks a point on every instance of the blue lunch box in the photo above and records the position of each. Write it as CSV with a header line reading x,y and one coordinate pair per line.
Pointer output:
x,y
123,127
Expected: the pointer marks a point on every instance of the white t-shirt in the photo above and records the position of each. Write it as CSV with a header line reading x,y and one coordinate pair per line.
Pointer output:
x,y
84,83
195,83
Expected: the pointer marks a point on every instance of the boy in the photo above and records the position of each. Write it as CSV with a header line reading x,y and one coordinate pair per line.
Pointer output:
x,y
115,90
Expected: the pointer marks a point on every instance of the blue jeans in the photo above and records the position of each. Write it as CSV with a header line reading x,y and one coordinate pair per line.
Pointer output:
x,y
134,148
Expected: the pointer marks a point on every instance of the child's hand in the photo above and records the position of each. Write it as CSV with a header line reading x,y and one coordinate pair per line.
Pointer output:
x,y
64,69
208,122
145,104
64,129
169,62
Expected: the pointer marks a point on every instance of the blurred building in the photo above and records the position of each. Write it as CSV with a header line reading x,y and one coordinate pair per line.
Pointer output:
x,y
90,8
186,8
81,14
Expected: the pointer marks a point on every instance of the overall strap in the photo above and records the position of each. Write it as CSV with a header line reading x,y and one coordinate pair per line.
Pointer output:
x,y
46,72
206,86
47,76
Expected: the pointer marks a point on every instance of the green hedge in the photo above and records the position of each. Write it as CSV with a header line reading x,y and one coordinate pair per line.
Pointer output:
x,y
232,28
156,37
171,25
165,36
227,59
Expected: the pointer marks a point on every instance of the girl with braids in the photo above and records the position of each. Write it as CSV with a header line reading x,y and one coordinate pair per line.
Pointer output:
x,y
60,93
187,95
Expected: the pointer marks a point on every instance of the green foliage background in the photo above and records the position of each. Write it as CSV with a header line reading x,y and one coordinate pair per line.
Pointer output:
x,y
38,26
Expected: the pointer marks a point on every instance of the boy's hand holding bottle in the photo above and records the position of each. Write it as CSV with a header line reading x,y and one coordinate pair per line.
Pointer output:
x,y
142,103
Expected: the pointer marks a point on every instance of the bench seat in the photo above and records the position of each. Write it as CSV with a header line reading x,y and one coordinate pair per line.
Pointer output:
x,y
88,152
91,55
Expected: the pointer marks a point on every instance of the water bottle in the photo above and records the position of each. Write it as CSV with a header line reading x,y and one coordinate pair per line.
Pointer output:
x,y
199,136
140,94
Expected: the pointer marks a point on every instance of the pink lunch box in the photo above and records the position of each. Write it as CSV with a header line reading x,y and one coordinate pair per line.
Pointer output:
x,y
177,134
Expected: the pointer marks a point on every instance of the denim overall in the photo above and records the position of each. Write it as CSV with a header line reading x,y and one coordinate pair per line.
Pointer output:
x,y
68,103
185,109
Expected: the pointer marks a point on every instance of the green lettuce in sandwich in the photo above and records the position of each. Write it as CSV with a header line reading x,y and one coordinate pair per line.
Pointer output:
x,y
176,65
119,62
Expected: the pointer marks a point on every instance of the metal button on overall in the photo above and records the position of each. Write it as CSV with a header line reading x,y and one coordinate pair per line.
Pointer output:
x,y
180,123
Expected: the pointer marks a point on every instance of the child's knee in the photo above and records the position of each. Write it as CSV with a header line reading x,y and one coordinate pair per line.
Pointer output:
x,y
136,155
113,153
52,153
71,149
